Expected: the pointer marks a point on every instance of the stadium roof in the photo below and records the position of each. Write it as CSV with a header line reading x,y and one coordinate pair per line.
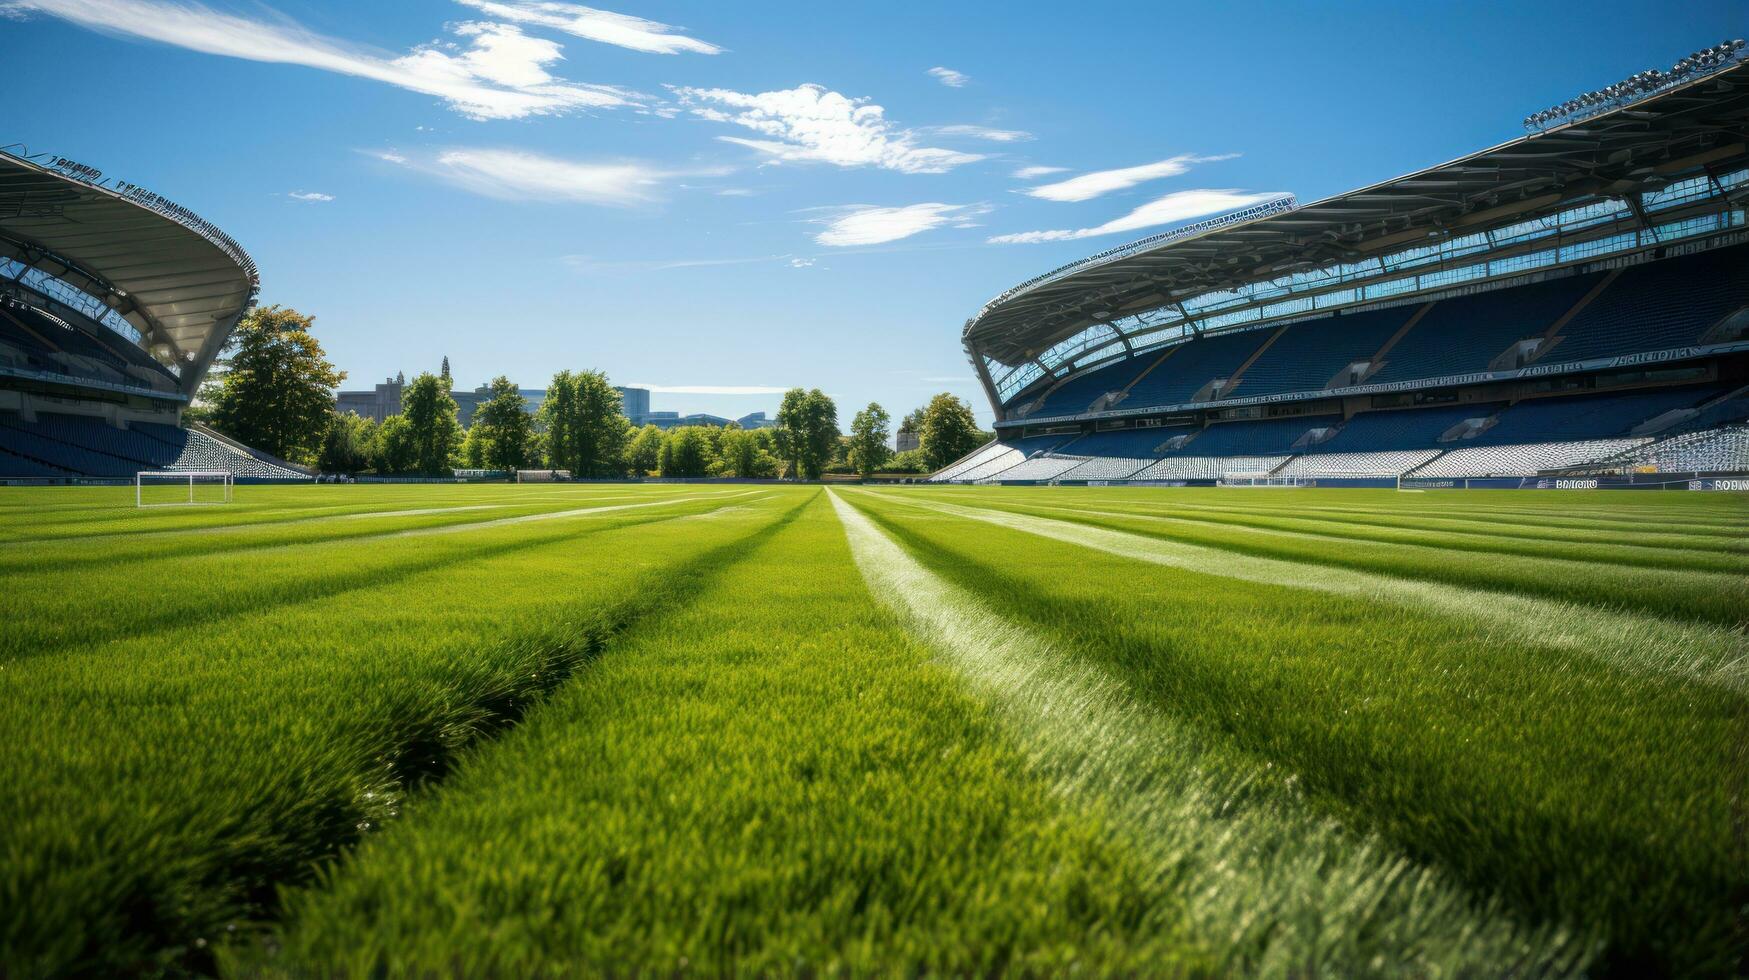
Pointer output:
x,y
1638,147
174,277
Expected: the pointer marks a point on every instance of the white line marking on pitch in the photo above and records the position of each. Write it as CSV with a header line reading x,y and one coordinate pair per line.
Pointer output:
x,y
1710,654
1298,882
549,516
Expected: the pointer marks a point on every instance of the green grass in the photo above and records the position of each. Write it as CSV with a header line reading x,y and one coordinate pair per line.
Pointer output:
x,y
409,730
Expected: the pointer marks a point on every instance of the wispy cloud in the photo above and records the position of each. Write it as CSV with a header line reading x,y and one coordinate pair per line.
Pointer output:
x,y
493,72
710,389
605,26
1033,173
1172,208
949,77
863,224
800,263
592,265
812,123
517,175
981,133
1091,185
312,197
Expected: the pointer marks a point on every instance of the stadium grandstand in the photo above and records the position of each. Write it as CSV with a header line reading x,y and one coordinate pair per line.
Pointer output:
x,y
1574,301
113,304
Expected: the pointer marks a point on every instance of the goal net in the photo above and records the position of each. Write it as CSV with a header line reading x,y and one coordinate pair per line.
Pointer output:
x,y
173,488
1259,480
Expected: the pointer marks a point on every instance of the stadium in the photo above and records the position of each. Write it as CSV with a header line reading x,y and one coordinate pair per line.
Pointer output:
x,y
1574,302
114,302
1443,703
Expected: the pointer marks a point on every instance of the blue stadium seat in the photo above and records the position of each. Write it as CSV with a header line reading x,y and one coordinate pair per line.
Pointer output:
x,y
1415,428
1076,395
1466,333
1192,366
1253,438
1310,353
1659,305
1601,416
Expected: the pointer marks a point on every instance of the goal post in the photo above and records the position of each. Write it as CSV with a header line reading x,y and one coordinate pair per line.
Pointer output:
x,y
182,488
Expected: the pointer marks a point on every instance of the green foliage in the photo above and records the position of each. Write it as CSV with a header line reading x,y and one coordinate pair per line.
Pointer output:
x,y
747,454
430,412
506,427
947,430
475,445
806,432
868,439
686,452
585,425
909,461
348,445
396,451
277,393
644,452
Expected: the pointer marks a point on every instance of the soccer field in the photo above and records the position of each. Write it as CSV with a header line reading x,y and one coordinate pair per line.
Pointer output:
x,y
736,728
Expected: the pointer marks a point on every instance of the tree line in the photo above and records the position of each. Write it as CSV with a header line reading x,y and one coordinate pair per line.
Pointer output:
x,y
277,394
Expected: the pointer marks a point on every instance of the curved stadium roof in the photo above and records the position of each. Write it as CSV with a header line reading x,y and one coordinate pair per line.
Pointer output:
x,y
174,277
1639,147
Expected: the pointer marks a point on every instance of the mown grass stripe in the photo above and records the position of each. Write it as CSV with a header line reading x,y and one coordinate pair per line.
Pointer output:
x,y
1641,535
1711,655
1686,594
222,792
1273,888
314,576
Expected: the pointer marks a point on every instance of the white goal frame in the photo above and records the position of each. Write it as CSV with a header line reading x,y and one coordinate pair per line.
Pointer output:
x,y
225,477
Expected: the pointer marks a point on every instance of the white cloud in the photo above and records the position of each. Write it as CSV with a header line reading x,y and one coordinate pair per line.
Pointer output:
x,y
949,77
1032,173
864,224
497,73
709,389
982,133
517,175
736,192
314,197
1089,186
605,26
800,263
1172,208
811,123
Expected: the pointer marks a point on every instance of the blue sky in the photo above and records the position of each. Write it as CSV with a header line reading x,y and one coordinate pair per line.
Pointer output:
x,y
757,195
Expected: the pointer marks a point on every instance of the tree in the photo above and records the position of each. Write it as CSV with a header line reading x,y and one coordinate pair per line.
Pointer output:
x,y
444,374
910,461
644,454
586,428
557,418
868,439
686,452
431,419
746,454
278,394
948,430
507,427
394,451
348,444
475,446
807,427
